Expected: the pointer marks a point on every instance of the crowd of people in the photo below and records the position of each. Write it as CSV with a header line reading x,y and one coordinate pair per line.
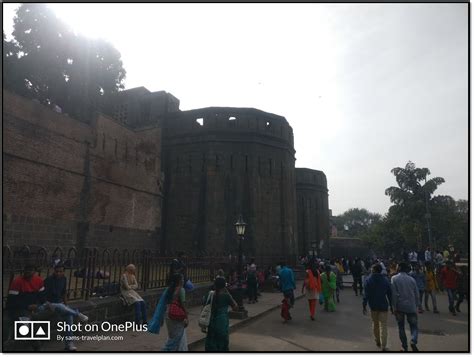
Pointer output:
x,y
401,289
171,306
405,287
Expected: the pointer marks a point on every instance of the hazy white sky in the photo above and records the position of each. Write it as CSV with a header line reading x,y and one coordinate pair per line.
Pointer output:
x,y
366,87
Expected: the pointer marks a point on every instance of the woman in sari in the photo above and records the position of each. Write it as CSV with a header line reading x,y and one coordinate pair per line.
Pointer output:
x,y
339,266
171,302
328,283
217,338
312,284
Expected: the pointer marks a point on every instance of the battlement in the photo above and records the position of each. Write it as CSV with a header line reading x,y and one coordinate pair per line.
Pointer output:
x,y
116,171
305,176
233,121
138,107
220,162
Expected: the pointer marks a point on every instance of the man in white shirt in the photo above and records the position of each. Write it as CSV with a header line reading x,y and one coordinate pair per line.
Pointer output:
x,y
427,255
406,302
413,257
384,269
439,260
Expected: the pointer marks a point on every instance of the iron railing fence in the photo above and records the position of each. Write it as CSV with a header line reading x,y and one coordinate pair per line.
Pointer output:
x,y
91,272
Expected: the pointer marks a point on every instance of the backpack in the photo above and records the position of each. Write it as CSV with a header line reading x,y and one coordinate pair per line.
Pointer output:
x,y
205,316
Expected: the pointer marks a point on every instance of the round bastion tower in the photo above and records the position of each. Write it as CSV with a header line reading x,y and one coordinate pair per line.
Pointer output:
x,y
219,163
313,211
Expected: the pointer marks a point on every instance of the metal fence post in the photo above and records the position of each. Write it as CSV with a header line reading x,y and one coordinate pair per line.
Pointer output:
x,y
90,273
146,270
211,267
84,259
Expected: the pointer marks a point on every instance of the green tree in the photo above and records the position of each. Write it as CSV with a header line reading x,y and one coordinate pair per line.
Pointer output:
x,y
355,221
413,195
383,236
404,225
58,66
413,185
450,222
12,77
461,235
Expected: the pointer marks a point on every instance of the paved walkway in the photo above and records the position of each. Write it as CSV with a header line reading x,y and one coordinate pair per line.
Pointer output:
x,y
348,330
345,330
144,341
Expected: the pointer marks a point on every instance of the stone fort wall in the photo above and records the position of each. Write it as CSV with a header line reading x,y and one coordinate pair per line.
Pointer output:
x,y
111,182
222,162
66,183
313,211
349,247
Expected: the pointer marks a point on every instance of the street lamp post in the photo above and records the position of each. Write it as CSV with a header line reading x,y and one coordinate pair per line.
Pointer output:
x,y
240,228
241,313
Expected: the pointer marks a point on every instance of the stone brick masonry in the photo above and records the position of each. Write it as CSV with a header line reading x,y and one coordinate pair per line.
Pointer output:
x,y
110,182
69,183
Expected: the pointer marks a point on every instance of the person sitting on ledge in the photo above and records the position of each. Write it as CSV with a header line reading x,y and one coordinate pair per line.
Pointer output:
x,y
128,285
26,292
56,302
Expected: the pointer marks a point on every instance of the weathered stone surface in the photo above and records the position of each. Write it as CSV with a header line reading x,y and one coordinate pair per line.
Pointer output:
x,y
313,211
138,107
77,176
222,162
102,184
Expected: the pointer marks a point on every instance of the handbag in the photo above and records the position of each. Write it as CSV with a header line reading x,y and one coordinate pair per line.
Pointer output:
x,y
205,316
176,311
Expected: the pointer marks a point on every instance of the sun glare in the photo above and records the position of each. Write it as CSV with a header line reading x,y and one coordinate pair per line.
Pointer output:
x,y
90,20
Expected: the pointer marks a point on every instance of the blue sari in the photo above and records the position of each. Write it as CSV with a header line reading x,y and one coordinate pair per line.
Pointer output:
x,y
177,339
154,325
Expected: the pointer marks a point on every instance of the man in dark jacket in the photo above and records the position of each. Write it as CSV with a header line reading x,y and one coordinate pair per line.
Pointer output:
x,y
378,293
56,302
463,287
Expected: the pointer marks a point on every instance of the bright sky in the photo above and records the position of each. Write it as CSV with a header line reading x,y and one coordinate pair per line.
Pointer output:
x,y
366,87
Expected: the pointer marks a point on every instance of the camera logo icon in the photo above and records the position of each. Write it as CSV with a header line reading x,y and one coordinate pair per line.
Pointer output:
x,y
32,330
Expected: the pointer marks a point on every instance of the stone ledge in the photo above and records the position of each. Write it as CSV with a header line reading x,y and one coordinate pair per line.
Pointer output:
x,y
110,308
241,323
